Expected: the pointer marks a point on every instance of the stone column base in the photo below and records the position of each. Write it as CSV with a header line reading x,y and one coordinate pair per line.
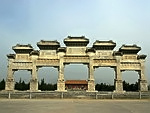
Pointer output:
x,y
34,85
61,86
118,86
143,85
10,84
91,86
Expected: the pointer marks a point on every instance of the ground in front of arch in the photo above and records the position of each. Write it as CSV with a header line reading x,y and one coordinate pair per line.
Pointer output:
x,y
73,106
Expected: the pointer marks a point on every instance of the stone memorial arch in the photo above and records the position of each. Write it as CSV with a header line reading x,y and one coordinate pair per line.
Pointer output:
x,y
51,54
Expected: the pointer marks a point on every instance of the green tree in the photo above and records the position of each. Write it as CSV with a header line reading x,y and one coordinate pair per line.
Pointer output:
x,y
21,85
130,87
104,87
2,85
46,87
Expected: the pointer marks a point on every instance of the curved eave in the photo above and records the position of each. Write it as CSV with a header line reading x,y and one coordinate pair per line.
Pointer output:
x,y
23,50
11,56
104,47
76,41
117,53
141,56
45,42
62,49
80,44
34,53
48,47
90,50
129,49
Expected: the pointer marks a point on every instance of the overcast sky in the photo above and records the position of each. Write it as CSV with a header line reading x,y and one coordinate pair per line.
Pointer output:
x,y
29,21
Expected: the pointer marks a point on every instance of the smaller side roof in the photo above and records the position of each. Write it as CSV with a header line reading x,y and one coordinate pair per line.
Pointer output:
x,y
11,56
19,48
129,49
104,45
48,45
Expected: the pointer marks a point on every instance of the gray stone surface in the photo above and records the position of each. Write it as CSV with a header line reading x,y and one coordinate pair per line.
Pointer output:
x,y
74,106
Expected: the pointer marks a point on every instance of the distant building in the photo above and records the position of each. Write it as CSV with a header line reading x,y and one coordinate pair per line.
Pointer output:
x,y
76,85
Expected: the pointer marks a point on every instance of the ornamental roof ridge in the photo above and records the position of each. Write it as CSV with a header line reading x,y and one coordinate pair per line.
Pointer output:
x,y
129,49
76,41
134,46
98,42
76,37
70,38
22,46
11,56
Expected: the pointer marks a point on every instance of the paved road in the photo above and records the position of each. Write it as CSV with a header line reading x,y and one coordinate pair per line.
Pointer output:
x,y
74,106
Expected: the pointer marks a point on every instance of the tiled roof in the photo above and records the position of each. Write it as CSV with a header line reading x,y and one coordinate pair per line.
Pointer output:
x,y
76,82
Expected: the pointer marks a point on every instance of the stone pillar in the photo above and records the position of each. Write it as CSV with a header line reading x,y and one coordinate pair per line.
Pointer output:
x,y
34,80
142,80
61,81
118,75
10,83
91,80
118,80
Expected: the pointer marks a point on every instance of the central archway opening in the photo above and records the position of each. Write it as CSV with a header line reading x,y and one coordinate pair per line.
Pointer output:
x,y
76,76
47,77
130,80
104,79
22,80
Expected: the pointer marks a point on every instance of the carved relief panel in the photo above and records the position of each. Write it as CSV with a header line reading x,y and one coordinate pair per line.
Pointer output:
x,y
47,62
80,59
130,66
75,51
104,62
47,54
22,65
22,57
103,54
129,57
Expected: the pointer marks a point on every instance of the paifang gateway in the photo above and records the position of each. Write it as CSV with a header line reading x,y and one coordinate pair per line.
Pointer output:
x,y
101,54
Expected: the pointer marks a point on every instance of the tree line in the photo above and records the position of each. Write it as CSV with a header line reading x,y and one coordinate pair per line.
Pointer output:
x,y
43,86
22,86
126,87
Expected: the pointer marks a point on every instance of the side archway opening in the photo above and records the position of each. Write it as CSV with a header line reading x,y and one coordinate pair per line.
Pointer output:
x,y
130,80
104,79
